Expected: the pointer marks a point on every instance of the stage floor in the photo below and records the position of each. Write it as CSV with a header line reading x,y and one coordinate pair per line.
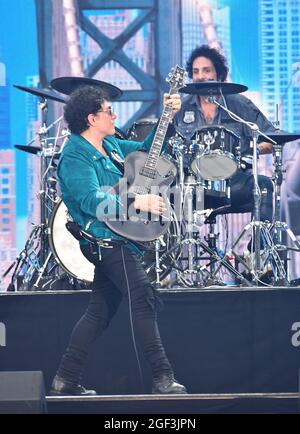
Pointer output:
x,y
226,344
240,403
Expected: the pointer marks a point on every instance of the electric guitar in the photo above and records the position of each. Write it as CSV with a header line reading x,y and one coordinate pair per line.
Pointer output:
x,y
147,173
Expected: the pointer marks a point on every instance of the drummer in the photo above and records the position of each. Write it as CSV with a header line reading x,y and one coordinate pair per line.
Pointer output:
x,y
207,64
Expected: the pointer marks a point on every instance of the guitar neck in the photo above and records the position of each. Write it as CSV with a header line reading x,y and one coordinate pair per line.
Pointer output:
x,y
159,138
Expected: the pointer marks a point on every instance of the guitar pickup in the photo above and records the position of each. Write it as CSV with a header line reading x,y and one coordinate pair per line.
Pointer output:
x,y
149,173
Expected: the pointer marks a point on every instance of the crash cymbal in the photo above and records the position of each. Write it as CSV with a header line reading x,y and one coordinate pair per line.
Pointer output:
x,y
211,88
280,136
33,149
43,93
67,85
30,149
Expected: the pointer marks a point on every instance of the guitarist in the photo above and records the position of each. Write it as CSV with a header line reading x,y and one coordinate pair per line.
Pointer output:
x,y
88,164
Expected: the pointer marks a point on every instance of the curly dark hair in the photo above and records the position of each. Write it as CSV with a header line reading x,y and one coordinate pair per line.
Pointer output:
x,y
212,54
83,101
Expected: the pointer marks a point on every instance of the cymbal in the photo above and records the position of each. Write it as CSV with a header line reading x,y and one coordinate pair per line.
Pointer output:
x,y
280,136
43,93
67,85
32,149
211,88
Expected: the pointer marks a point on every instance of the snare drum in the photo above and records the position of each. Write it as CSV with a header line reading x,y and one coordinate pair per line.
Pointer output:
x,y
216,153
140,129
65,247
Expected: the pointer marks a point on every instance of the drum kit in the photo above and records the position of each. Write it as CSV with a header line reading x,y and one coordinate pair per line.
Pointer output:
x,y
184,256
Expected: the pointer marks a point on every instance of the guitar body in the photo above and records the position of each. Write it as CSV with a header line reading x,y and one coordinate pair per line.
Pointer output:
x,y
147,174
134,224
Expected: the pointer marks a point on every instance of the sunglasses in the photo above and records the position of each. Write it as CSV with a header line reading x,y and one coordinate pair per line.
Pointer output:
x,y
109,111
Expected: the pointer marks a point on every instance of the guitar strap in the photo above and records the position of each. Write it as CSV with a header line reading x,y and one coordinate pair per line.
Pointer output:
x,y
117,161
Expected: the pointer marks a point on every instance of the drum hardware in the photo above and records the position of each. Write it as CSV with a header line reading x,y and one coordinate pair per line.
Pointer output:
x,y
217,153
178,150
279,230
272,250
38,264
67,85
35,265
26,258
206,274
256,225
35,150
178,253
188,249
161,262
262,231
45,94
213,88
119,134
141,128
246,162
271,254
211,240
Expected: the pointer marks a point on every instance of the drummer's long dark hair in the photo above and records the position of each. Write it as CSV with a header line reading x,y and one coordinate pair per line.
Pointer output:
x,y
83,101
212,54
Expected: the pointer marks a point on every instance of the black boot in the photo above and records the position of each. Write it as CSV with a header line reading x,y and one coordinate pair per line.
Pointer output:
x,y
60,387
167,384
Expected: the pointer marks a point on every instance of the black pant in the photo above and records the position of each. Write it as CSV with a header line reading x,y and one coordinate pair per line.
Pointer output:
x,y
242,199
108,287
241,193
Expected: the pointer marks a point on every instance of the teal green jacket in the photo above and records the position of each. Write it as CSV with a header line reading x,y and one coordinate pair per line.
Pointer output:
x,y
83,172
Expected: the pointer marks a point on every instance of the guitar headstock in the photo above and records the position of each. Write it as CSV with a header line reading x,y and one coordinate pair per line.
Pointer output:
x,y
176,78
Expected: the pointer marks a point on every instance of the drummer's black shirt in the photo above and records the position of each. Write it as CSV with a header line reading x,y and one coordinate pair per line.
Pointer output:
x,y
190,119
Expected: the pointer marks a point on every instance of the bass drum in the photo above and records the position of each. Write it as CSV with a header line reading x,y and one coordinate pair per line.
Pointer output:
x,y
68,255
65,247
140,129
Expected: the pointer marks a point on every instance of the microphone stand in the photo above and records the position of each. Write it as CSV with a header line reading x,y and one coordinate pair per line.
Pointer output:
x,y
255,132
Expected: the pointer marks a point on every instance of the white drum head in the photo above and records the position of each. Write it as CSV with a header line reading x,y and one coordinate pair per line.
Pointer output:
x,y
66,248
214,166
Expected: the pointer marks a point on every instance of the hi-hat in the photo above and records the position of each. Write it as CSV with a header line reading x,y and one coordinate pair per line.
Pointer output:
x,y
43,93
33,150
280,136
67,85
213,88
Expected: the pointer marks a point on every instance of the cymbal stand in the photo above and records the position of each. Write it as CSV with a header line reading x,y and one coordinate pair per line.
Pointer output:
x,y
29,255
34,258
260,230
192,219
184,252
48,193
278,227
178,149
185,210
207,273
